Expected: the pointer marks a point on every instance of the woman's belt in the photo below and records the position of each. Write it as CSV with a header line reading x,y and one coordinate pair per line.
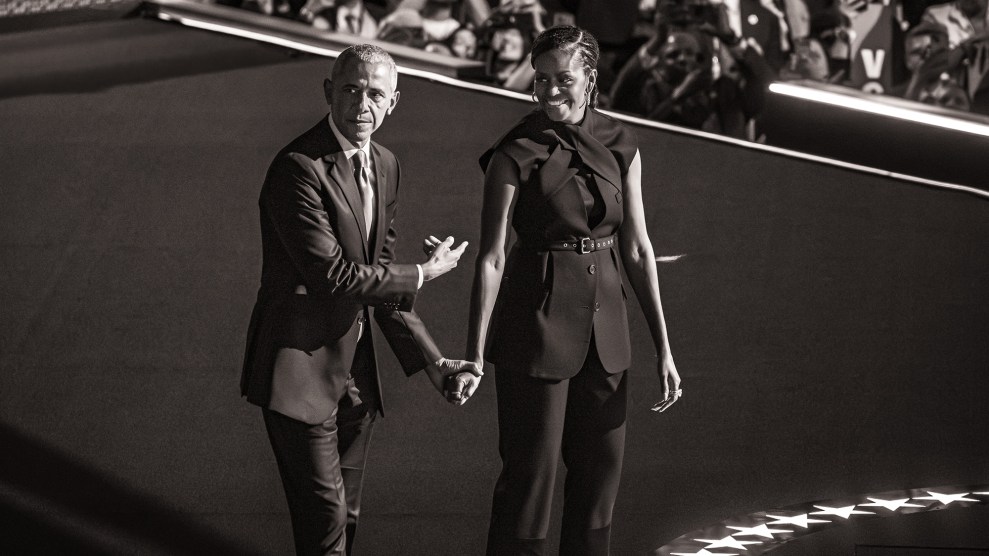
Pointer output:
x,y
582,245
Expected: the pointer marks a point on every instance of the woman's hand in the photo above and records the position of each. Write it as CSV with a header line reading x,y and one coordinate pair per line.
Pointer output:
x,y
670,379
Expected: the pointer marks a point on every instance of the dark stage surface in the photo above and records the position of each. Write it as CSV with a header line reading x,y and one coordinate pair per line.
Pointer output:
x,y
830,325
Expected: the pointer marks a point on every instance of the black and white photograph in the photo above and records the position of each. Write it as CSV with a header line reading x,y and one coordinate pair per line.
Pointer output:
x,y
599,277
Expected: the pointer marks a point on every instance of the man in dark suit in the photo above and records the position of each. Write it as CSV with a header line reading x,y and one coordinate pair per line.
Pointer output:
x,y
327,210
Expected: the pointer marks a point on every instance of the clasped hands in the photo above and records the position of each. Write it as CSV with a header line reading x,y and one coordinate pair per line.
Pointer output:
x,y
455,379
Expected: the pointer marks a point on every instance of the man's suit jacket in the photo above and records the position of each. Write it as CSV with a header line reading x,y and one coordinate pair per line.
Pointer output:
x,y
318,276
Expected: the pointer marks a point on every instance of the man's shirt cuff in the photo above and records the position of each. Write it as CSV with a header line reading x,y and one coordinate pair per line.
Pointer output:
x,y
419,268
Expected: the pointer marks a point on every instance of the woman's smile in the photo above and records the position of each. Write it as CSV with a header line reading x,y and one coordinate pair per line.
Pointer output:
x,y
561,85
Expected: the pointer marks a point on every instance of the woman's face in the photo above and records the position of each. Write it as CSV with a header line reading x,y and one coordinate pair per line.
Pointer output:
x,y
562,85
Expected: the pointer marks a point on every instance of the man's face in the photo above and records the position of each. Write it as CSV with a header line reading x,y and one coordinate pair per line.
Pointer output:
x,y
360,98
917,49
681,54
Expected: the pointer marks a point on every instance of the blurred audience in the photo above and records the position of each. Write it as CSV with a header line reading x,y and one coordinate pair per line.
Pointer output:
x,y
939,51
763,22
696,71
807,61
947,55
403,26
504,41
428,25
962,19
343,16
977,73
927,41
704,64
473,12
438,23
677,82
463,43
922,42
945,92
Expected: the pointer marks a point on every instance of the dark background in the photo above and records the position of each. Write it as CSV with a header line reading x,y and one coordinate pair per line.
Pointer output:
x,y
830,325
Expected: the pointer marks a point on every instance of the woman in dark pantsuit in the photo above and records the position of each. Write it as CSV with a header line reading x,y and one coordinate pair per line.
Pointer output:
x,y
556,308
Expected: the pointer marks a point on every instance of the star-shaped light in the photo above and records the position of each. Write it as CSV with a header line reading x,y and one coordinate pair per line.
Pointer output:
x,y
727,542
703,552
761,531
799,520
892,505
946,499
844,512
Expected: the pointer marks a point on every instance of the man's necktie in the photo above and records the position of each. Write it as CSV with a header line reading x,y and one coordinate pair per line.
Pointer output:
x,y
354,28
367,194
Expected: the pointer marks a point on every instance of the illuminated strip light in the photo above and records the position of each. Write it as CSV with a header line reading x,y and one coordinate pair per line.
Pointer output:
x,y
879,108
779,87
795,154
246,34
320,51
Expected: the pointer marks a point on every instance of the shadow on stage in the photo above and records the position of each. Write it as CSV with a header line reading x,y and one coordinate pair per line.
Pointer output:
x,y
50,504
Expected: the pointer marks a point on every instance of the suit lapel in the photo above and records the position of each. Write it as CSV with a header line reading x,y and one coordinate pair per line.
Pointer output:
x,y
341,173
381,189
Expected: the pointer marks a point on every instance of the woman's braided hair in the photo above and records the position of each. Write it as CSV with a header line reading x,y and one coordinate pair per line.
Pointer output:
x,y
573,41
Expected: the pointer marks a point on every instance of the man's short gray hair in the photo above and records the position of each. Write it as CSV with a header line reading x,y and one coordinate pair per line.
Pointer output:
x,y
367,53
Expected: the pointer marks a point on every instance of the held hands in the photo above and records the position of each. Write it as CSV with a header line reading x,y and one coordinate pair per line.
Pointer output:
x,y
460,387
455,379
671,385
442,259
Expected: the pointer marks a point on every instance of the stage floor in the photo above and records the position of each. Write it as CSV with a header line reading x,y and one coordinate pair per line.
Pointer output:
x,y
829,325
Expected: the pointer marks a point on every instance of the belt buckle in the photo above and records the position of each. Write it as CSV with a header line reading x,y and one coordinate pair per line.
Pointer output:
x,y
586,245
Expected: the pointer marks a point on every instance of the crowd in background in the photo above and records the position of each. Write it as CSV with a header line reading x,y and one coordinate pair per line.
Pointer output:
x,y
704,64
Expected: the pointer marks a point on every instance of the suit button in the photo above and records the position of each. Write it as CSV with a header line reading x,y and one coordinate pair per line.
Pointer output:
x,y
592,269
597,307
